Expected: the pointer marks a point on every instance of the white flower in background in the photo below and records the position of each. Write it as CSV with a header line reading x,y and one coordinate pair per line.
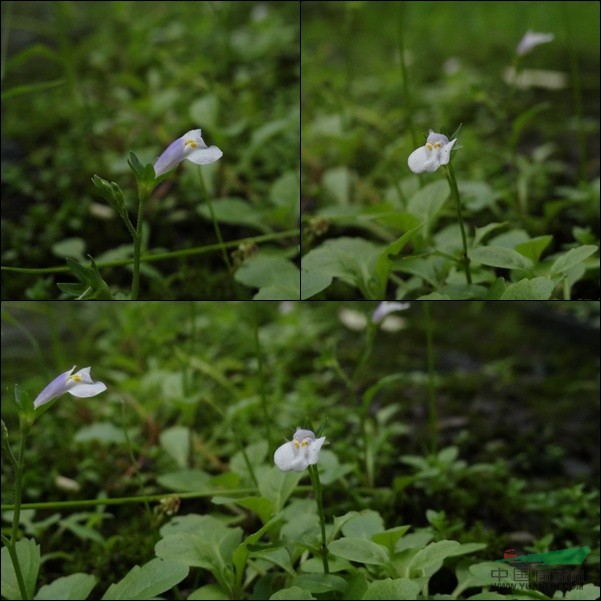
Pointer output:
x,y
436,152
301,452
385,308
78,384
190,146
531,40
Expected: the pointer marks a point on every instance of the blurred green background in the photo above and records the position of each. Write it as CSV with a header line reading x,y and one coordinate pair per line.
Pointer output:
x,y
86,82
527,157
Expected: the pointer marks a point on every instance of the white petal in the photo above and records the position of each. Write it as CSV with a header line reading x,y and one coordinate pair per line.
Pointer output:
x,y
84,391
204,156
445,153
288,458
56,388
313,450
84,374
418,159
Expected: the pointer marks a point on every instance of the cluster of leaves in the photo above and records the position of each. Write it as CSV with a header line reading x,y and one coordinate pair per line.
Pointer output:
x,y
185,390
230,69
372,229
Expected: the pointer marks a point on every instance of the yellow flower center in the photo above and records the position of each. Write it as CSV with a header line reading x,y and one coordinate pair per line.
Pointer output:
x,y
75,378
191,142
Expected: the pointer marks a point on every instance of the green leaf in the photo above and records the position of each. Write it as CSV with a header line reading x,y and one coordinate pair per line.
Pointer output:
x,y
482,232
320,583
359,550
261,506
28,554
277,277
205,111
209,592
103,432
534,248
353,260
363,524
571,258
176,442
276,485
499,256
75,587
135,165
400,588
389,538
427,202
588,591
534,289
293,592
70,247
185,480
150,580
313,282
429,560
29,88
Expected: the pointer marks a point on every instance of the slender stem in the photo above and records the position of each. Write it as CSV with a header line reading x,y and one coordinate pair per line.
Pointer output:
x,y
215,223
448,170
135,285
17,462
432,408
314,474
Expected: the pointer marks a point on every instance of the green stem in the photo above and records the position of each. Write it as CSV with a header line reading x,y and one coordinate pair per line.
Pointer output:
x,y
314,474
448,170
17,462
432,408
135,285
207,196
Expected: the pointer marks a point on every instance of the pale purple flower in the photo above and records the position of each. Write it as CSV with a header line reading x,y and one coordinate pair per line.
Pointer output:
x,y
385,308
531,40
299,453
79,384
190,146
436,152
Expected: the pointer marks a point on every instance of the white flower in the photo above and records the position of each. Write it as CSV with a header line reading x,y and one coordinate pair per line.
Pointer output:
x,y
385,308
301,452
190,146
430,157
531,40
78,384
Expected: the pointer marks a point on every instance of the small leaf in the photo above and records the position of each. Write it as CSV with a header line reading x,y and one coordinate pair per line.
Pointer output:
x,y
534,248
74,587
28,554
293,592
359,550
400,588
499,256
150,580
534,289
571,258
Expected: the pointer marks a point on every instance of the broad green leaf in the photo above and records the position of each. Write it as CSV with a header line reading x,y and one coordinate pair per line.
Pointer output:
x,y
75,587
498,256
293,592
389,538
276,277
313,282
209,592
482,232
399,588
337,183
147,581
427,202
353,260
429,560
176,442
363,524
277,485
359,550
534,248
535,289
571,258
285,191
103,432
28,554
320,583
186,480
74,248
261,506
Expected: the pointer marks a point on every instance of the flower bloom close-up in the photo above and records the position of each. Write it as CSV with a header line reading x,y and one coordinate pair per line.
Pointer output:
x,y
190,146
79,384
531,40
436,152
299,453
